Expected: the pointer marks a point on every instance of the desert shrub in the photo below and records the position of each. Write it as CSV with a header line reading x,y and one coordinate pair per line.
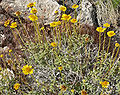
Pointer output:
x,y
64,61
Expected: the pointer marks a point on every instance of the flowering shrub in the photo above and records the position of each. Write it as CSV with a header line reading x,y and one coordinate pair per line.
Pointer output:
x,y
65,63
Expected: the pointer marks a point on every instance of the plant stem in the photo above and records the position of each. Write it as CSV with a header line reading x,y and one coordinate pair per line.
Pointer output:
x,y
107,48
104,41
113,62
99,43
20,36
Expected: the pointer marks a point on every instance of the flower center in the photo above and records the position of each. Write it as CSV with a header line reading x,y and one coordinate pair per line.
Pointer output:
x,y
28,69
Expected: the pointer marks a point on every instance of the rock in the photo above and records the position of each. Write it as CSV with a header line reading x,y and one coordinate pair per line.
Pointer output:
x,y
85,8
46,8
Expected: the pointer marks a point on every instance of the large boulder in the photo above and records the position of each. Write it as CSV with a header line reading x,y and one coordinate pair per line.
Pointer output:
x,y
46,8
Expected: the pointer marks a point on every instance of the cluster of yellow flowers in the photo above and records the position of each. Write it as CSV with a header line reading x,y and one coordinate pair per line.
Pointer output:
x,y
109,33
32,17
54,24
65,17
26,70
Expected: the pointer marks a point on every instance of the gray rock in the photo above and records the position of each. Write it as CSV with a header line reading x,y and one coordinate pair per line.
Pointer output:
x,y
46,8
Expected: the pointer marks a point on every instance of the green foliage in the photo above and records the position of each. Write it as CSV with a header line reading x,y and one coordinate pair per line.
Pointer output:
x,y
116,3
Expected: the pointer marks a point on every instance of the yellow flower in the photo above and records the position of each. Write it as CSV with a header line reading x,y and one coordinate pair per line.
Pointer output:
x,y
110,33
27,70
106,25
10,50
17,13
1,55
56,12
30,5
58,23
16,86
33,11
53,24
83,81
63,8
33,17
72,90
13,25
54,44
83,92
60,68
6,23
66,17
73,20
63,88
42,28
100,29
117,44
104,84
75,6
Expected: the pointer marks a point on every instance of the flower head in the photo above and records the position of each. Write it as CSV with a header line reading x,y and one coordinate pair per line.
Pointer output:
x,y
63,8
54,44
117,44
66,17
10,50
72,90
100,29
33,11
104,84
1,55
83,92
110,33
30,5
13,25
53,24
106,25
27,70
16,86
7,23
58,23
42,28
33,17
63,87
73,20
83,81
56,12
17,13
75,6
60,68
